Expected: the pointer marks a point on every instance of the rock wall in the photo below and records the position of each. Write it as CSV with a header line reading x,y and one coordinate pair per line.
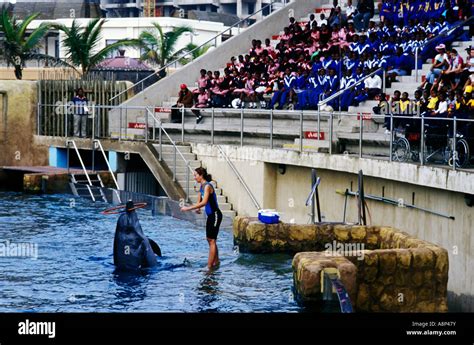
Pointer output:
x,y
394,272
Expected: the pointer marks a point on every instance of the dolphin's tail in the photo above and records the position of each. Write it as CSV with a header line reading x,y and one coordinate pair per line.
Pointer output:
x,y
155,247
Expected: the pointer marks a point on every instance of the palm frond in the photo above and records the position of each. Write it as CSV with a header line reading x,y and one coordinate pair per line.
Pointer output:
x,y
24,24
34,39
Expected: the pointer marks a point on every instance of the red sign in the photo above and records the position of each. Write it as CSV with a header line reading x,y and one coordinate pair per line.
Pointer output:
x,y
313,135
136,125
365,116
162,110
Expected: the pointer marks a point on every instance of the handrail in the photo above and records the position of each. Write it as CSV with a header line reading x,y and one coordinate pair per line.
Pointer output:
x,y
96,141
176,150
239,177
214,38
171,140
338,93
80,159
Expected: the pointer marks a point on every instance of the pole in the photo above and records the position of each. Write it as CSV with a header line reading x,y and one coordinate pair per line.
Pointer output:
x,y
383,81
330,132
391,138
120,125
241,127
146,126
93,155
182,124
174,163
361,123
271,128
38,122
454,143
313,206
65,121
319,121
161,142
422,139
416,65
301,131
212,126
187,181
67,158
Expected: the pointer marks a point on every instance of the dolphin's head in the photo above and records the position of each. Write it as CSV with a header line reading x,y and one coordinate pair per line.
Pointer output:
x,y
129,206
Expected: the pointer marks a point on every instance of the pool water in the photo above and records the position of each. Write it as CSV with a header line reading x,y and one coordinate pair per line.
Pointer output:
x,y
74,270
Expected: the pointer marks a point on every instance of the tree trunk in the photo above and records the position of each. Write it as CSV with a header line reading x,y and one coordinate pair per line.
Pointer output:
x,y
18,72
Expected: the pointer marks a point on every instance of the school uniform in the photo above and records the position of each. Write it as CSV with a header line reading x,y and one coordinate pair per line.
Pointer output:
x,y
301,85
281,95
348,96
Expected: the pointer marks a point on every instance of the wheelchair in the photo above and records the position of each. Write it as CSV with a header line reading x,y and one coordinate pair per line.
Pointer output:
x,y
438,143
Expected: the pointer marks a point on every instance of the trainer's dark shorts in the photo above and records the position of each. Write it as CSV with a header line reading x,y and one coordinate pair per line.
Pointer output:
x,y
213,222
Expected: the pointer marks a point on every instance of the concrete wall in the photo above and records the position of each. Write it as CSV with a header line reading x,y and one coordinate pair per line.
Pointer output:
x,y
18,124
287,193
217,58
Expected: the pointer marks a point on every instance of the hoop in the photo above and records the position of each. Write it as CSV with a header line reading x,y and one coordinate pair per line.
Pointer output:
x,y
114,210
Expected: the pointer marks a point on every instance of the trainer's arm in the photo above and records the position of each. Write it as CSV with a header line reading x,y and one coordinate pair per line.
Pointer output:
x,y
200,203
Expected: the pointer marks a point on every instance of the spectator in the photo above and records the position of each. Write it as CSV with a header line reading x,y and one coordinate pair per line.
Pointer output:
x,y
284,90
203,99
399,65
322,20
365,11
349,11
440,64
453,74
185,100
373,85
81,113
311,22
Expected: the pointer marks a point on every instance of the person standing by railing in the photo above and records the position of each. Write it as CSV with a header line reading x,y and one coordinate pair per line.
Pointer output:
x,y
207,198
81,111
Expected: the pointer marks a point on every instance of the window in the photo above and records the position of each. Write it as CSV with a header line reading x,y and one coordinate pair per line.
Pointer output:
x,y
111,54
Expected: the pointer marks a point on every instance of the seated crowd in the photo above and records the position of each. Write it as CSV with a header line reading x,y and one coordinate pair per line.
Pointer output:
x,y
447,92
315,59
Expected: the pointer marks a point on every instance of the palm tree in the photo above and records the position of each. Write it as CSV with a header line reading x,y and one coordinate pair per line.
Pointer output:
x,y
18,46
195,51
159,47
81,44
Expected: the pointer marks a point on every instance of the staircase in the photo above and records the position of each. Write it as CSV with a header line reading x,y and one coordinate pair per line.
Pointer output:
x,y
80,186
182,172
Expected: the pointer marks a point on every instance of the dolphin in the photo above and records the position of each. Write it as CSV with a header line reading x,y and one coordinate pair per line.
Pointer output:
x,y
132,249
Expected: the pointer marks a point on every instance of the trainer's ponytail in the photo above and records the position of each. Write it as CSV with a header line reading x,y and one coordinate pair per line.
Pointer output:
x,y
203,172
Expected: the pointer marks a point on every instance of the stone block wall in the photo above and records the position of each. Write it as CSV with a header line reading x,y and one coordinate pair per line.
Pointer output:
x,y
392,271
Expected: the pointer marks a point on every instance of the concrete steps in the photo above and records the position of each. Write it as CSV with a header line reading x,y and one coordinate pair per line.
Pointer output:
x,y
181,176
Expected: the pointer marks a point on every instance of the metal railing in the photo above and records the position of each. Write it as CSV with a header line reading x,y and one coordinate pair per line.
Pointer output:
x,y
340,92
443,34
98,144
213,39
240,178
175,151
153,129
89,185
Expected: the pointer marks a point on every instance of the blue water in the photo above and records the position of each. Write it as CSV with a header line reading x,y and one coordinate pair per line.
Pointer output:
x,y
74,269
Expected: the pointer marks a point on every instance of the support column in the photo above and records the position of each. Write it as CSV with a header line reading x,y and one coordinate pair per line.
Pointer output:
x,y
239,8
258,7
